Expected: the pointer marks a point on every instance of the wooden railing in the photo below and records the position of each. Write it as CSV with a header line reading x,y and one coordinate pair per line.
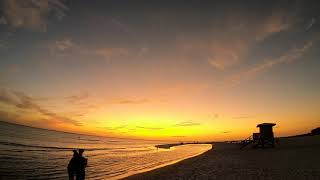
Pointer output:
x,y
246,142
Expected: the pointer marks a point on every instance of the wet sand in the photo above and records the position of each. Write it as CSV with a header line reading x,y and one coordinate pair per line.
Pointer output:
x,y
293,159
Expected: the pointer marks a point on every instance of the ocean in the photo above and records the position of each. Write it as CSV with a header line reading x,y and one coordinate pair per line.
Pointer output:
x,y
33,153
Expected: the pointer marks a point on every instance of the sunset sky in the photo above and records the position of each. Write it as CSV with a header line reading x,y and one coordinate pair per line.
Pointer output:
x,y
174,70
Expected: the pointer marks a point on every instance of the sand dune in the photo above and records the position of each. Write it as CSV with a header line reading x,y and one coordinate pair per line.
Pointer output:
x,y
293,159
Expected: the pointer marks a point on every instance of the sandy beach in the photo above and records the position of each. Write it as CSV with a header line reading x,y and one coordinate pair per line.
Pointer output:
x,y
292,159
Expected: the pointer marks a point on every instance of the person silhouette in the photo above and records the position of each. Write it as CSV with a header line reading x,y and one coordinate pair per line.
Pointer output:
x,y
81,165
72,166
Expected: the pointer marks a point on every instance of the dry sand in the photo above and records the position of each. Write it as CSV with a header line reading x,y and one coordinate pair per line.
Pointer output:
x,y
293,159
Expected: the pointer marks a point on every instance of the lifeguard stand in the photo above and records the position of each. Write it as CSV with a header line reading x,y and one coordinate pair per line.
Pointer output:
x,y
263,139
266,137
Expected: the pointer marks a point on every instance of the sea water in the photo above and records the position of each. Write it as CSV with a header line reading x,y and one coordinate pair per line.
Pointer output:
x,y
33,153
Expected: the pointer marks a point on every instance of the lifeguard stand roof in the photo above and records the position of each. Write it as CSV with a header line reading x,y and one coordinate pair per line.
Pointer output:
x,y
266,124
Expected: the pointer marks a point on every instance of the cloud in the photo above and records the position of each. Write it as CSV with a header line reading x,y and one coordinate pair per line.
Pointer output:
x,y
62,45
225,132
78,98
229,41
178,136
8,116
82,103
233,47
226,53
124,27
32,14
22,101
130,101
132,129
149,128
286,58
111,53
277,22
57,117
187,123
66,46
108,23
115,128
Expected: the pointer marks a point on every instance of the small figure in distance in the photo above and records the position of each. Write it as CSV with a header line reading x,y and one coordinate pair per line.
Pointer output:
x,y
81,165
72,166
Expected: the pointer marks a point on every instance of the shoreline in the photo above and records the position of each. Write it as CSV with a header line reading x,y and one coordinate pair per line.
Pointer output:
x,y
293,158
168,146
128,175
